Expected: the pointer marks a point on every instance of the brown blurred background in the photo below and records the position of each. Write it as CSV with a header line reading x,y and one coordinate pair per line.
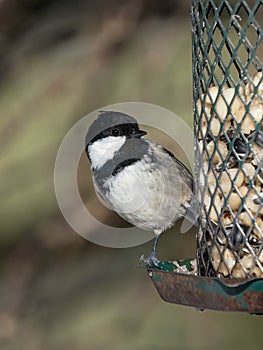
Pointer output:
x,y
59,60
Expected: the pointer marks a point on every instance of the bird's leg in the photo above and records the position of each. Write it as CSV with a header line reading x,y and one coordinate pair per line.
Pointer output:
x,y
153,256
152,260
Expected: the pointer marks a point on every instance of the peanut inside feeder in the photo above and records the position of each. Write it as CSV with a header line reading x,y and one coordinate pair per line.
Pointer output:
x,y
230,148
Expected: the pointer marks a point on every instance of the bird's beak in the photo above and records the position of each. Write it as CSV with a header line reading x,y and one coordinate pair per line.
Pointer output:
x,y
138,133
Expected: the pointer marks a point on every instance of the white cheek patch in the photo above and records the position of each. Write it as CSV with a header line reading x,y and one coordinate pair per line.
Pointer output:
x,y
101,151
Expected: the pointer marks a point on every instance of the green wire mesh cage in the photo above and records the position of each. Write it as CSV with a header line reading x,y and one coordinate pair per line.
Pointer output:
x,y
228,110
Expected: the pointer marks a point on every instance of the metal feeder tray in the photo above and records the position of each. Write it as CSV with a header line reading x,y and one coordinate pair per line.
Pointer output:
x,y
223,294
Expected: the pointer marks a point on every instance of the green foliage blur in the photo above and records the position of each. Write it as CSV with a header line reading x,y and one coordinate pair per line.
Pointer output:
x,y
59,60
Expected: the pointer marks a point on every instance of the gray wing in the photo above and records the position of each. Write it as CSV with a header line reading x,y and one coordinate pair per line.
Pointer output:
x,y
189,202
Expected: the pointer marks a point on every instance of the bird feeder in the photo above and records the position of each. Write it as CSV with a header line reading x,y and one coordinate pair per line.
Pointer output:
x,y
227,52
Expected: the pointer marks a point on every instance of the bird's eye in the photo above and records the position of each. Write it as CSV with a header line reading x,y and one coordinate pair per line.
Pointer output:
x,y
115,132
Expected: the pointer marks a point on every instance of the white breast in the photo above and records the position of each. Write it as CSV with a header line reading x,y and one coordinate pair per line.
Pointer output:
x,y
104,149
145,195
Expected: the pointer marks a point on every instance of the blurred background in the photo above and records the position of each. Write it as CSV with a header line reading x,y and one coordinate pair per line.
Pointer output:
x,y
59,60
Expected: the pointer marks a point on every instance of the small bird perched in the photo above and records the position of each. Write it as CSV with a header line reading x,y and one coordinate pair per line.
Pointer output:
x,y
141,181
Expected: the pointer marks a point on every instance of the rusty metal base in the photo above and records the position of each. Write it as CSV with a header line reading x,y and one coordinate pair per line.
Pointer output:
x,y
223,294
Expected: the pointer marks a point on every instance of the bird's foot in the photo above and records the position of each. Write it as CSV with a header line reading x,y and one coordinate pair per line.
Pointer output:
x,y
151,262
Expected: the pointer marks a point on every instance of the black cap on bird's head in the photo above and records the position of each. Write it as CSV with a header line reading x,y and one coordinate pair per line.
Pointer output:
x,y
111,123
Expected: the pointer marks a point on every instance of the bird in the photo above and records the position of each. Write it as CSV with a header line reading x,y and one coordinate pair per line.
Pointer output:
x,y
140,180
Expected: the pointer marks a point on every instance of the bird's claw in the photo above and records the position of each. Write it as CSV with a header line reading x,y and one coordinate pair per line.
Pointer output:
x,y
151,262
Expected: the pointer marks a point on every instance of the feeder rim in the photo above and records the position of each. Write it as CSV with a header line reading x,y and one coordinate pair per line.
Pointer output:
x,y
228,282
